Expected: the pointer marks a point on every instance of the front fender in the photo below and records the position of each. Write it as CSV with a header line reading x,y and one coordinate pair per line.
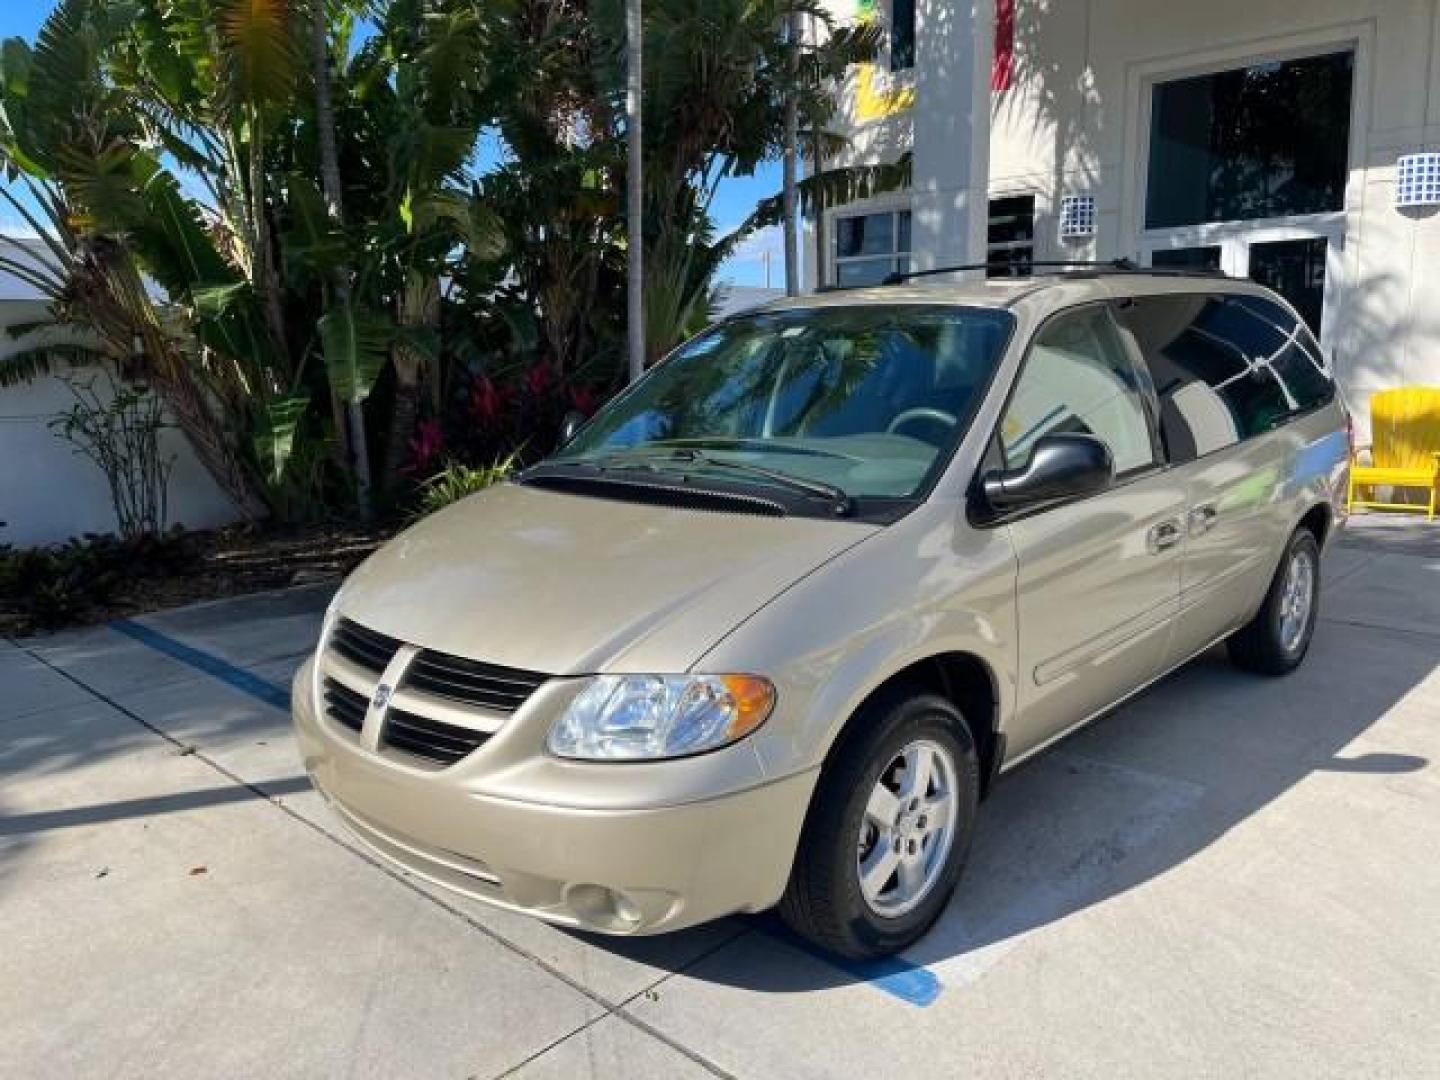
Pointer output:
x,y
928,585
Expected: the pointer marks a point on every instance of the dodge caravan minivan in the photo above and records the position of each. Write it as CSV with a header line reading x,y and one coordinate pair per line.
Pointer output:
x,y
767,628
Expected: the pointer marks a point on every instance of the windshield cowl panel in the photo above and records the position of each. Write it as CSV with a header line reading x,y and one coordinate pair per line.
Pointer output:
x,y
830,411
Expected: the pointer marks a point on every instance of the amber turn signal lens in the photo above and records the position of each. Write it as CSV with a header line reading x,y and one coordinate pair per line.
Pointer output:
x,y
754,698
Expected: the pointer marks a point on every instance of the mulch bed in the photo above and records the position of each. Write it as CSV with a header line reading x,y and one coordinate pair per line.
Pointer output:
x,y
226,562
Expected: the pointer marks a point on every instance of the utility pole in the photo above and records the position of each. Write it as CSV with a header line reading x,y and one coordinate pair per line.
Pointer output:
x,y
817,168
635,189
790,193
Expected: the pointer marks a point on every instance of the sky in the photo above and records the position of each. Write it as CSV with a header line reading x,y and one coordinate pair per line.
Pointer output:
x,y
733,203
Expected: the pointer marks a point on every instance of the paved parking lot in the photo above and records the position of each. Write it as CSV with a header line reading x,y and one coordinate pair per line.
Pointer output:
x,y
1229,877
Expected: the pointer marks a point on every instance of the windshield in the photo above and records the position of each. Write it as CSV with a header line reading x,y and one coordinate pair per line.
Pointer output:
x,y
867,402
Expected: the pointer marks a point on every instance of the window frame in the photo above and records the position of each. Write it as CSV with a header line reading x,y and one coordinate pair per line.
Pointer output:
x,y
1152,85
894,209
1358,35
993,456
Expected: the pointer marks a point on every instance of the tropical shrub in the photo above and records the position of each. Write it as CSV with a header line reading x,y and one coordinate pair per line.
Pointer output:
x,y
456,480
46,588
321,244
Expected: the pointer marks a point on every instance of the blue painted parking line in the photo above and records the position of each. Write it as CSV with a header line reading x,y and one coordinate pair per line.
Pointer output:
x,y
911,983
238,677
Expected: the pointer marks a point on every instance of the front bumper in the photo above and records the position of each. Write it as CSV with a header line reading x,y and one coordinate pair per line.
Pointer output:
x,y
619,870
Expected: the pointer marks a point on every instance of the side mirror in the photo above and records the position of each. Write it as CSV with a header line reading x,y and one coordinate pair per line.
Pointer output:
x,y
1060,467
574,420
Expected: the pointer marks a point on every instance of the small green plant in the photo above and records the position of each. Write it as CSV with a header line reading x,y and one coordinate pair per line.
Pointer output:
x,y
456,480
117,425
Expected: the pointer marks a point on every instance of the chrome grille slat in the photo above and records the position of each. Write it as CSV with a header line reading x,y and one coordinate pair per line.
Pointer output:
x,y
360,645
490,686
430,739
431,731
494,686
344,705
471,695
420,748
458,667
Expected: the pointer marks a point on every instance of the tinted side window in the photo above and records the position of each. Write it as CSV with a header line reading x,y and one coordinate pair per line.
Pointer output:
x,y
1297,360
1078,378
1225,368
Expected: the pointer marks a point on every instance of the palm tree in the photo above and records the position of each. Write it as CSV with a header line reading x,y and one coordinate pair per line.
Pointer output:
x,y
352,443
429,92
791,155
635,186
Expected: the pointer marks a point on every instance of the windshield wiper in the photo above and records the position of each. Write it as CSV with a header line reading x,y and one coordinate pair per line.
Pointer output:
x,y
841,504
759,446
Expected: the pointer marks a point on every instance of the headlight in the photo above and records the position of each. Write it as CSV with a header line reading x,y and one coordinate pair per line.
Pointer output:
x,y
639,717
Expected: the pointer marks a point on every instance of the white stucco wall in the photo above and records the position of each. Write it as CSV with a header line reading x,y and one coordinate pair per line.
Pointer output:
x,y
1076,122
48,493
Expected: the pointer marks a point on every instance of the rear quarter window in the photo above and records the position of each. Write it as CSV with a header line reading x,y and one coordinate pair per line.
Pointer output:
x,y
1225,368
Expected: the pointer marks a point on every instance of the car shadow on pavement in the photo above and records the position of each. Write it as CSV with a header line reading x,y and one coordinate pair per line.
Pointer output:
x,y
37,821
1127,800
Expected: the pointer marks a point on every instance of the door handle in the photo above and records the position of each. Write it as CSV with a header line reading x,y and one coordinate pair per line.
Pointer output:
x,y
1202,519
1164,536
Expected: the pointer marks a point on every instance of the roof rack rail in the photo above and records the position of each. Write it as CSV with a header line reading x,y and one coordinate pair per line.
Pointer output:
x,y
1113,266
1122,265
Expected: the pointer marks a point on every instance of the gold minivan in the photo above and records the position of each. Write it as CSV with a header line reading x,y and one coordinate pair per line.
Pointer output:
x,y
766,628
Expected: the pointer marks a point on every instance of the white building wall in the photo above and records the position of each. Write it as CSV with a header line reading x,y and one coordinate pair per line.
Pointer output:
x,y
48,493
1076,121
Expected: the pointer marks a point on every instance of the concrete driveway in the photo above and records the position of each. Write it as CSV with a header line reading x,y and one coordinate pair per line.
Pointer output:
x,y
1229,877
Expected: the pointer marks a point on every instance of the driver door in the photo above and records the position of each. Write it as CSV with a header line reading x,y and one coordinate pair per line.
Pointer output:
x,y
1099,578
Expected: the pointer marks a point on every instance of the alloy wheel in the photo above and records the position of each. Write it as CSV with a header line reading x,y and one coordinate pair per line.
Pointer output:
x,y
908,828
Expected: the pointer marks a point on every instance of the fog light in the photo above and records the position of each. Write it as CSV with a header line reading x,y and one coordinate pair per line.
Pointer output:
x,y
603,908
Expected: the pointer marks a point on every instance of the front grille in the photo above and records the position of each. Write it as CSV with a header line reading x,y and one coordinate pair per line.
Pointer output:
x,y
362,646
430,739
500,689
344,705
432,682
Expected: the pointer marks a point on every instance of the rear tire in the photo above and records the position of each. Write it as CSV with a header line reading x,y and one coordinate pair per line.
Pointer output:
x,y
1277,639
865,815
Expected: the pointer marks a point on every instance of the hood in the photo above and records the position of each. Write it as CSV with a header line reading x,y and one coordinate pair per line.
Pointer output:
x,y
568,585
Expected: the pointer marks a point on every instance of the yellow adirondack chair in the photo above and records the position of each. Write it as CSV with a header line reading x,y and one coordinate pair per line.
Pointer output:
x,y
1404,450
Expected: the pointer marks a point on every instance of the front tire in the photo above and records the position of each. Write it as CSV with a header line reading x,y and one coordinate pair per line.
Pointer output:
x,y
1277,639
889,828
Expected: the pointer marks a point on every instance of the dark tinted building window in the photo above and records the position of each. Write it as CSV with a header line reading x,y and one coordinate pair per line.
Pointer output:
x,y
902,34
1193,258
1225,368
1257,142
1010,247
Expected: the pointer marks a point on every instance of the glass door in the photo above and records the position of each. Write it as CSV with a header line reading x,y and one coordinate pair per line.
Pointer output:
x,y
1241,181
1300,261
1296,269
